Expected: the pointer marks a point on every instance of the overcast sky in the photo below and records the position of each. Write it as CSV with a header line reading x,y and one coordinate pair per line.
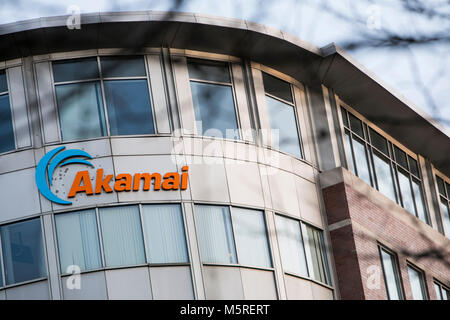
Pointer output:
x,y
420,72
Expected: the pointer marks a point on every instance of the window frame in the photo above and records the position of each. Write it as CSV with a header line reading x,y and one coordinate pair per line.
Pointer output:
x,y
294,104
238,264
441,287
303,232
390,158
445,197
3,93
144,238
101,80
231,84
397,274
423,280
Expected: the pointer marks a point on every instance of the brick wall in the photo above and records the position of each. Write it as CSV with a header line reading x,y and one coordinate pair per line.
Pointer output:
x,y
358,226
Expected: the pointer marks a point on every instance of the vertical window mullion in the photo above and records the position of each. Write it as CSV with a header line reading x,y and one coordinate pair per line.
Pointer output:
x,y
2,262
100,237
102,86
144,236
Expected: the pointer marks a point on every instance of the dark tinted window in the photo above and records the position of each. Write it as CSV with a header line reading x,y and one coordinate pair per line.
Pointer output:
x,y
77,69
356,125
378,141
440,184
413,166
400,156
6,127
123,66
276,87
344,117
208,70
3,83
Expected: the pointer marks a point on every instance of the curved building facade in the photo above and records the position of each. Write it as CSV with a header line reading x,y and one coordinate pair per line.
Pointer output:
x,y
152,155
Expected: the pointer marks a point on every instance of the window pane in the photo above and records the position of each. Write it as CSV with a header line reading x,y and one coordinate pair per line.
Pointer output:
x,y
361,160
384,177
417,284
349,153
124,66
78,241
315,251
356,125
215,234
208,70
400,156
6,127
437,288
282,118
122,236
344,117
413,166
80,110
378,141
291,246
214,107
77,69
129,109
277,87
3,82
251,237
1,276
440,184
445,217
164,231
406,192
23,251
391,275
421,211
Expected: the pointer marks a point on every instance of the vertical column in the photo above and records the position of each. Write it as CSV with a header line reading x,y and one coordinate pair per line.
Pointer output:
x,y
241,99
52,260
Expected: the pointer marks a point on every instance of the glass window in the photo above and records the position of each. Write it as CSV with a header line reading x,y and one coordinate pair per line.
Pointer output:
x,y
417,283
356,125
405,191
362,163
215,234
208,70
78,241
391,276
214,109
76,69
123,66
291,246
413,166
23,251
445,217
385,180
164,231
1,272
420,204
378,141
276,87
400,156
80,109
251,237
7,142
122,236
444,205
316,254
282,119
129,109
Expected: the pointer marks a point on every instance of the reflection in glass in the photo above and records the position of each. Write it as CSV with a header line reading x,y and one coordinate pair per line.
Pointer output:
x,y
23,251
417,284
282,118
391,275
123,66
421,211
361,160
291,246
129,110
276,87
384,177
6,126
445,217
208,70
405,190
316,254
76,69
80,109
214,107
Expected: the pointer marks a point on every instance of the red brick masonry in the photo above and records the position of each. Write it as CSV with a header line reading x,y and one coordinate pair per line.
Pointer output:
x,y
358,226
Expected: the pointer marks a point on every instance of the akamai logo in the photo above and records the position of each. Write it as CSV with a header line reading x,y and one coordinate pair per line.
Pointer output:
x,y
103,183
48,164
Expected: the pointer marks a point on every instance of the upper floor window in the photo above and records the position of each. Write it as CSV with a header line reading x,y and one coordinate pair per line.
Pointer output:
x,y
281,109
391,274
417,282
442,293
302,249
7,142
213,98
236,237
444,204
384,165
22,252
102,96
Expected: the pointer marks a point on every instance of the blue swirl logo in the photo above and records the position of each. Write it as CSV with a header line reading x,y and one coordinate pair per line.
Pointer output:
x,y
48,164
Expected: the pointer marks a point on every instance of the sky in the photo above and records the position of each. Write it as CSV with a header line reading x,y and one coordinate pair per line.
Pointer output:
x,y
419,71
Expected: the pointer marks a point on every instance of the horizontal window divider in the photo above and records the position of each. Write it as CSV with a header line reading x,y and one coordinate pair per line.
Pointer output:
x,y
229,84
77,81
296,275
279,99
4,92
234,265
24,283
126,78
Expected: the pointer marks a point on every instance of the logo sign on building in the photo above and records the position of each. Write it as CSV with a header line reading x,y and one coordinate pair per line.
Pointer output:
x,y
82,182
